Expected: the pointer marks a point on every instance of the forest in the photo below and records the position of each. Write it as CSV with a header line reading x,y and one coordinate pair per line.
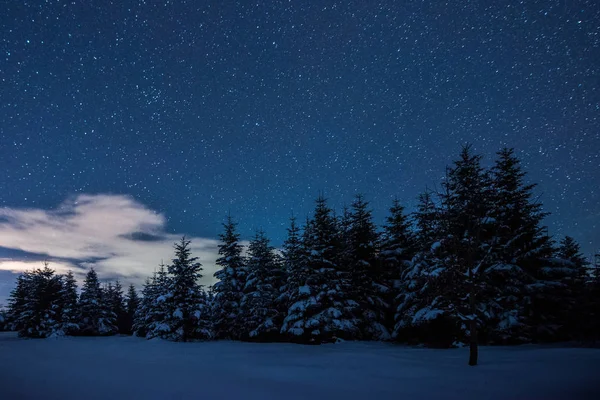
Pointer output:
x,y
472,264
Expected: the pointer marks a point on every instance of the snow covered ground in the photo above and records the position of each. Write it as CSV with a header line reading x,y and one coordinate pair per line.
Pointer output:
x,y
133,368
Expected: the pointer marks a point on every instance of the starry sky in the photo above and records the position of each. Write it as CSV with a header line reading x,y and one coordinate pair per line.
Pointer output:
x,y
125,124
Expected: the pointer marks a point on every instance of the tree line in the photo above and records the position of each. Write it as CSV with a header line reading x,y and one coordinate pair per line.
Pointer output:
x,y
472,264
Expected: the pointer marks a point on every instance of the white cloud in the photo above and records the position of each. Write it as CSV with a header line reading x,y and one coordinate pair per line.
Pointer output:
x,y
115,234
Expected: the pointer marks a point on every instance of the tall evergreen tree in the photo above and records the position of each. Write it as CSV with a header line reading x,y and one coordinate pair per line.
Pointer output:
x,y
95,317
445,303
69,306
115,303
295,271
157,312
518,245
35,303
260,315
397,250
187,315
229,290
132,303
142,317
18,301
367,285
320,309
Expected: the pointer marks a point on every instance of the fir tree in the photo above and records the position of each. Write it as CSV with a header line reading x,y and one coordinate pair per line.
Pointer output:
x,y
396,252
158,310
446,305
260,315
229,288
69,306
116,306
18,301
132,303
293,256
187,315
320,310
519,244
367,285
35,303
95,317
141,319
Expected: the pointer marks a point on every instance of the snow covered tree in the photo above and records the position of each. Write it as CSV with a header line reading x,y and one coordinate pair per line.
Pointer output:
x,y
260,315
229,290
157,312
320,309
68,304
396,252
561,293
447,279
132,303
293,255
187,311
427,219
519,245
115,303
18,301
39,312
95,317
141,319
367,284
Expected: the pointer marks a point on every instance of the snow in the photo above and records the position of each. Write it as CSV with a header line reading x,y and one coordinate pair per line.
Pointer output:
x,y
304,289
133,368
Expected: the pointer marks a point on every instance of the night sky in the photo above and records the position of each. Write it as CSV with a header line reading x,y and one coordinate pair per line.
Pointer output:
x,y
162,117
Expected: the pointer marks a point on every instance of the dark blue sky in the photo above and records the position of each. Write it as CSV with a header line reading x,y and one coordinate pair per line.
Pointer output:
x,y
196,108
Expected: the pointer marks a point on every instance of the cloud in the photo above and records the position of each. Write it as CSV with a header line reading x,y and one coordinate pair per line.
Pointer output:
x,y
115,234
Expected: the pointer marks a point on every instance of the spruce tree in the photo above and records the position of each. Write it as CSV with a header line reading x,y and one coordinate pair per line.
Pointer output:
x,y
416,313
141,318
18,301
229,289
367,284
292,255
115,303
132,303
158,311
446,304
320,309
69,306
567,294
396,252
95,316
187,311
260,315
519,245
35,304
